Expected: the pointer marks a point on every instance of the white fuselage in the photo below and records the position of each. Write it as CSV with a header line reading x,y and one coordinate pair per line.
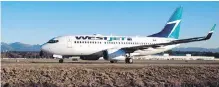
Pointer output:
x,y
80,45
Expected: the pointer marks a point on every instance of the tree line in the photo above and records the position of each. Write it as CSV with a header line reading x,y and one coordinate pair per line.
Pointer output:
x,y
25,54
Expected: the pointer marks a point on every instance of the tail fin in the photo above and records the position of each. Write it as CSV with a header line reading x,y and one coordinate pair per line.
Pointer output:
x,y
172,28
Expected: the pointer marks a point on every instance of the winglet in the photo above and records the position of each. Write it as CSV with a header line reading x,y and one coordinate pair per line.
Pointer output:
x,y
212,29
210,32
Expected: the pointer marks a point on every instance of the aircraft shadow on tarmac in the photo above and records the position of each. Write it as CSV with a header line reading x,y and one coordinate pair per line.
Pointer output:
x,y
145,62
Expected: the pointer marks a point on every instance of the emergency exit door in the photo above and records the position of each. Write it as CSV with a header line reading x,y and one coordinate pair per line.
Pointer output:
x,y
69,43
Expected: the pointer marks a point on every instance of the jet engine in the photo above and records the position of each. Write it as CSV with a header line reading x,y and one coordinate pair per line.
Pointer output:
x,y
114,54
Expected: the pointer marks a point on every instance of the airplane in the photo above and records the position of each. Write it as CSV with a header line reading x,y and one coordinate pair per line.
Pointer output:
x,y
117,48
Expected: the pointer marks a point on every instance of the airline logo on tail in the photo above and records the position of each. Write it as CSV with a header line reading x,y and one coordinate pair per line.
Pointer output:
x,y
175,31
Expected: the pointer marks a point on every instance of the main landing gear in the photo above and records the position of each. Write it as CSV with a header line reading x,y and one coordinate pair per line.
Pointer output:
x,y
128,60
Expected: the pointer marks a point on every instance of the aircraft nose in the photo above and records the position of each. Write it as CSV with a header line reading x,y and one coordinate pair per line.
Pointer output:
x,y
45,48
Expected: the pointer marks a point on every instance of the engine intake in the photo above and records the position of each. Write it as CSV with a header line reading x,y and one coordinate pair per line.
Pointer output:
x,y
114,54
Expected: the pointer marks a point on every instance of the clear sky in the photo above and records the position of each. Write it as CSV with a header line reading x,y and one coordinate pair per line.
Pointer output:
x,y
37,22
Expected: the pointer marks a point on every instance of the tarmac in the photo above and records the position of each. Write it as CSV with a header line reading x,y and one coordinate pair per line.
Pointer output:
x,y
101,73
136,62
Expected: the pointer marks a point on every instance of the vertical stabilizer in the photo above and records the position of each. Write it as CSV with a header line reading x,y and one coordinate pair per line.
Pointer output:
x,y
172,27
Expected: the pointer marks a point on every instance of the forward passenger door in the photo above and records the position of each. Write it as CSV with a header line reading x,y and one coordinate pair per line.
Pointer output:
x,y
69,43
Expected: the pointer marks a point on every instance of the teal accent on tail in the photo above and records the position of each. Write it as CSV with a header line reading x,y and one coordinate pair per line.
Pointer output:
x,y
172,28
212,29
177,15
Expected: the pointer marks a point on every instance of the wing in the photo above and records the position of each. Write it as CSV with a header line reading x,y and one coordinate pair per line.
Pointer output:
x,y
173,42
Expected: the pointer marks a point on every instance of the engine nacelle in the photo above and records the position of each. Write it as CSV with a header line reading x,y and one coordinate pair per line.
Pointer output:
x,y
57,56
114,54
89,57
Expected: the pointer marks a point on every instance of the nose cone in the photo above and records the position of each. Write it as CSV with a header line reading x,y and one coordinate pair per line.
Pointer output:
x,y
45,48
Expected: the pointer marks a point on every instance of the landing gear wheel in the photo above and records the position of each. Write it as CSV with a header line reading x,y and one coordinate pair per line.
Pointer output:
x,y
113,61
61,60
129,60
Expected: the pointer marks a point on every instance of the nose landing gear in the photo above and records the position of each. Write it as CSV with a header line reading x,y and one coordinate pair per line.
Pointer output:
x,y
41,53
61,60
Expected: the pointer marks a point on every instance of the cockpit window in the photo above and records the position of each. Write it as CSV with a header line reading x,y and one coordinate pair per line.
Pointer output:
x,y
53,41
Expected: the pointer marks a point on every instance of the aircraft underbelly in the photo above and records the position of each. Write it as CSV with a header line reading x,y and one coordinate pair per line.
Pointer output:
x,y
97,49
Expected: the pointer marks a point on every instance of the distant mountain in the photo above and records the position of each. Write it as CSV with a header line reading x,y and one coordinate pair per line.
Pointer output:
x,y
199,49
5,46
17,46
